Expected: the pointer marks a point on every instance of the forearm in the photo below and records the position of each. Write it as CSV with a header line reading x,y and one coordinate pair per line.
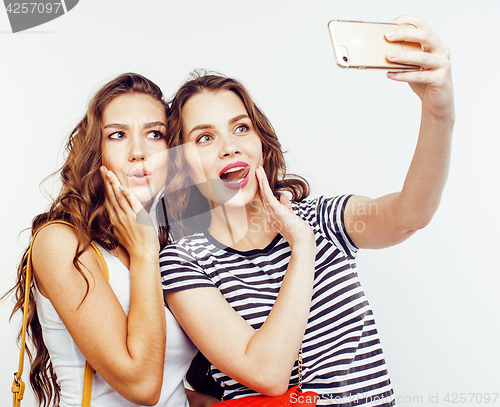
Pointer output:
x,y
146,330
419,198
272,350
417,202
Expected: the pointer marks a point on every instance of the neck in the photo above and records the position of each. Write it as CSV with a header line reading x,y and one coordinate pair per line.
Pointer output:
x,y
242,228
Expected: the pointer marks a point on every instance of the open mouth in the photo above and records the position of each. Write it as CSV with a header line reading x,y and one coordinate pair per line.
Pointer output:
x,y
235,175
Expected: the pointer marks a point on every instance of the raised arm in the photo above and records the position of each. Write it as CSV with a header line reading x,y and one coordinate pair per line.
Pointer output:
x,y
259,359
128,352
391,219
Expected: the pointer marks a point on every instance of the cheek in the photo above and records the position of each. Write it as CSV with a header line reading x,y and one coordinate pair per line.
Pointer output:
x,y
115,159
262,157
160,159
111,156
109,160
161,166
257,151
105,155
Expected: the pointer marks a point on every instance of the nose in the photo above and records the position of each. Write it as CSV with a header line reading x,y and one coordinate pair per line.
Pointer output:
x,y
229,146
137,150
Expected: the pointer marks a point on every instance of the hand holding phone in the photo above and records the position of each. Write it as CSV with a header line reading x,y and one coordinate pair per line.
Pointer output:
x,y
363,45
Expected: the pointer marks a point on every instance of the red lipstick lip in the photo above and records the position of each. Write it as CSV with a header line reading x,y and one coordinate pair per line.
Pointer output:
x,y
232,165
237,185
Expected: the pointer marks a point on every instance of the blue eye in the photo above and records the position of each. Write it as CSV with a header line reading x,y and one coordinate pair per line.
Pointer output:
x,y
242,128
117,136
204,138
156,135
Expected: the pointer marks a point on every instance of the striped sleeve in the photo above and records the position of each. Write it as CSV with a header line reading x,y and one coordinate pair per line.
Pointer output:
x,y
180,271
330,215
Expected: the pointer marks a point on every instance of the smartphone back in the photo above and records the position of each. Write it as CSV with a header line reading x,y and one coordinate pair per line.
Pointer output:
x,y
363,45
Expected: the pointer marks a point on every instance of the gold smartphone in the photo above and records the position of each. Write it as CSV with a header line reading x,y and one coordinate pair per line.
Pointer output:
x,y
363,45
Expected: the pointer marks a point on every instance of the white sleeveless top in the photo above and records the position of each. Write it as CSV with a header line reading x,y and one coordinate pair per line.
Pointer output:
x,y
69,363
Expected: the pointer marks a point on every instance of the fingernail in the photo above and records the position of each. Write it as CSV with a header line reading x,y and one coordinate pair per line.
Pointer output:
x,y
392,55
390,34
391,74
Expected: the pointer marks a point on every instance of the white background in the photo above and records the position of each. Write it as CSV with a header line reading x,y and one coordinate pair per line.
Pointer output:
x,y
436,296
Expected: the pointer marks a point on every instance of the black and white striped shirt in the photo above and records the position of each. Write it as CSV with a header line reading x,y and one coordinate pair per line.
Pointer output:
x,y
342,356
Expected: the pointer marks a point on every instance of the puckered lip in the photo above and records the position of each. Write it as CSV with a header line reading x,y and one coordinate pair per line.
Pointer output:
x,y
139,171
139,176
233,165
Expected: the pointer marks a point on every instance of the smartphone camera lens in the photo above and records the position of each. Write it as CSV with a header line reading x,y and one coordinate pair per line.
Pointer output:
x,y
343,55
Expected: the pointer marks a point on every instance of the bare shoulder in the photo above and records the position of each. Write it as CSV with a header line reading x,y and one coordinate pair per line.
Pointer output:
x,y
356,202
56,237
53,252
357,207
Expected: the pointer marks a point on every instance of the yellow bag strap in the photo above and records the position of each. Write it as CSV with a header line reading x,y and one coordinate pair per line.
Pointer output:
x,y
18,385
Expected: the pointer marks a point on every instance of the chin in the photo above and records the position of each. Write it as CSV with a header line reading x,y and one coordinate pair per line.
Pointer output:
x,y
243,198
144,196
237,201
229,197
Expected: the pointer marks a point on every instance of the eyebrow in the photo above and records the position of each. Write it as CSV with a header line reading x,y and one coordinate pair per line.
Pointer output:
x,y
235,119
125,127
209,126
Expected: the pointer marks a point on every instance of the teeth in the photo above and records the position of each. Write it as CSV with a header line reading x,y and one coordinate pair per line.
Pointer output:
x,y
234,169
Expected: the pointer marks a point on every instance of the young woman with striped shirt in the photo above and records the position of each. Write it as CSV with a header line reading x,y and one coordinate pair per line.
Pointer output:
x,y
264,276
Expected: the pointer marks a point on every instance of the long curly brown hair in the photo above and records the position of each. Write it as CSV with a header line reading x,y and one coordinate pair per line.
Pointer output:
x,y
81,203
184,199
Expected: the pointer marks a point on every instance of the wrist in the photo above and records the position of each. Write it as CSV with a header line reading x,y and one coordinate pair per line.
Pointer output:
x,y
144,257
444,116
304,244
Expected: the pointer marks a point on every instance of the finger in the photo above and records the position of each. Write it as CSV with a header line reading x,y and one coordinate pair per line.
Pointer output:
x,y
421,77
134,203
110,210
266,188
423,59
110,193
141,215
416,21
270,200
414,29
265,203
429,42
120,198
271,205
284,200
